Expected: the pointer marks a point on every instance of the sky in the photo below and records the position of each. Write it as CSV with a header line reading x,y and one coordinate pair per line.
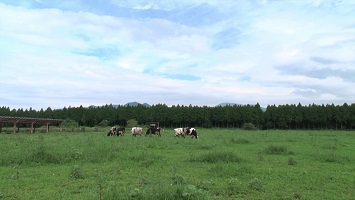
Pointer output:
x,y
176,52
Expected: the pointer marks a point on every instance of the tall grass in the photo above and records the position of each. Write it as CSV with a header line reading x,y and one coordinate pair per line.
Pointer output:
x,y
221,164
332,157
159,192
277,150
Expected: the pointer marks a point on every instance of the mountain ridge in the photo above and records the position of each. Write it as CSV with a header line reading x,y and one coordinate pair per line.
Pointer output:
x,y
135,103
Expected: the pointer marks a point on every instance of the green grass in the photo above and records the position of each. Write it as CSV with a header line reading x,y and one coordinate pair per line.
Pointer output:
x,y
221,164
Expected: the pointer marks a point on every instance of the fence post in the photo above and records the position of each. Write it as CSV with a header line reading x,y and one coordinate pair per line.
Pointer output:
x,y
32,129
47,127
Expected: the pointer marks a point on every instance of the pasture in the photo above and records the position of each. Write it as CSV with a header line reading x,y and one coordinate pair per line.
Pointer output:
x,y
220,164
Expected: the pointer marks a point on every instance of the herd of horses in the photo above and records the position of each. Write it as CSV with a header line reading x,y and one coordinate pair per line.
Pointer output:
x,y
137,131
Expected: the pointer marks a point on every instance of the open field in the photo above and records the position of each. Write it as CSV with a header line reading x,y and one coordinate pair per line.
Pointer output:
x,y
221,164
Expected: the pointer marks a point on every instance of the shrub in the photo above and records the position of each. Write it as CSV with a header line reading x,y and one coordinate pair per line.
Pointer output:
x,y
104,123
70,123
132,123
249,126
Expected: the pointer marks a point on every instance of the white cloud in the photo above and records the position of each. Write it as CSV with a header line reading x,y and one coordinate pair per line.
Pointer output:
x,y
242,51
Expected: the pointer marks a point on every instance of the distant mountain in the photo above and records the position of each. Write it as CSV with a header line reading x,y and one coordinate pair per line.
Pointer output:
x,y
127,104
136,104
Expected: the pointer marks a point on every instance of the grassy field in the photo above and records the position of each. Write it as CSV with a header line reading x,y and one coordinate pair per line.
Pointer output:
x,y
221,164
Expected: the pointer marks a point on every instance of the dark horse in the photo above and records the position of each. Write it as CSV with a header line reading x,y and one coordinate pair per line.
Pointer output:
x,y
153,130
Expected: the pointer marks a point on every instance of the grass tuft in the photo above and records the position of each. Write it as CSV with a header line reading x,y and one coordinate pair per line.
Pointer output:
x,y
42,155
332,157
76,172
234,186
158,192
277,150
292,161
177,180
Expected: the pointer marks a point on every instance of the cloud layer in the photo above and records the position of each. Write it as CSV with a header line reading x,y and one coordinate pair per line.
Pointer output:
x,y
191,52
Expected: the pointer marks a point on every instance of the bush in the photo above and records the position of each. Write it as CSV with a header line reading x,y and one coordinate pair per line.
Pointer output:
x,y
70,123
249,126
104,123
132,123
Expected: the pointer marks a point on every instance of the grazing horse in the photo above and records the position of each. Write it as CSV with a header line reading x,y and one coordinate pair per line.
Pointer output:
x,y
153,130
137,131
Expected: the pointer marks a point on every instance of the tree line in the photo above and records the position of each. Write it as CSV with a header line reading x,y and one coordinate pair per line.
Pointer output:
x,y
287,116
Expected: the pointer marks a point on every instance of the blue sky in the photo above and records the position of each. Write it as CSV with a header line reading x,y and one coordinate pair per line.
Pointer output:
x,y
91,52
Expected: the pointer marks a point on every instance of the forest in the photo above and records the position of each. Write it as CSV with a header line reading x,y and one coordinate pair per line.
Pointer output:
x,y
289,116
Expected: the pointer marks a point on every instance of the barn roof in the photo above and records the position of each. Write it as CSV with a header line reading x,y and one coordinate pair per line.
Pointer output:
x,y
29,120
